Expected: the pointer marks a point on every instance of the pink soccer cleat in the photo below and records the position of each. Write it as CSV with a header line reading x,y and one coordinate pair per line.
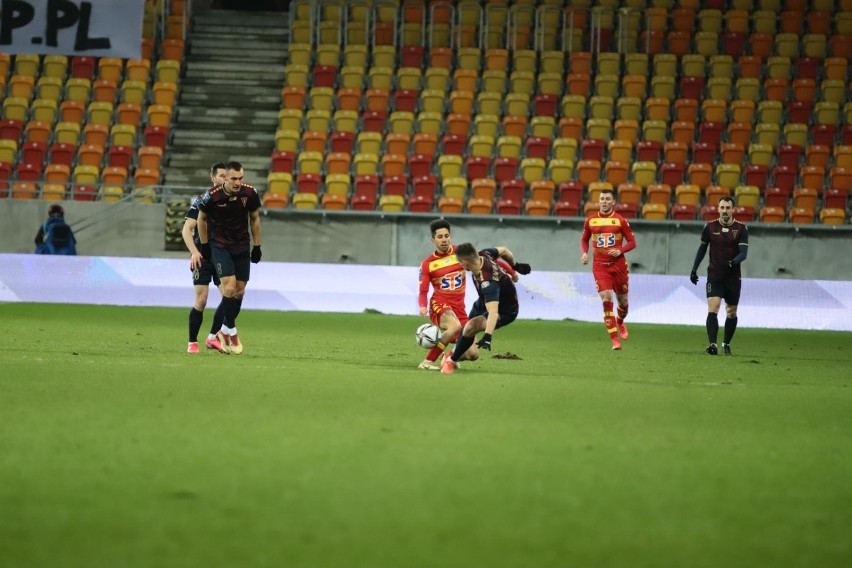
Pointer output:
x,y
192,347
616,344
217,345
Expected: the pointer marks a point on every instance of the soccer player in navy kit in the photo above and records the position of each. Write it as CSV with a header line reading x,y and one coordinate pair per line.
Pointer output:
x,y
226,215
727,239
497,305
203,274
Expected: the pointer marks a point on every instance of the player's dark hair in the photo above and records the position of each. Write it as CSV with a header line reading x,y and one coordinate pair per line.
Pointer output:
x,y
466,251
56,211
439,224
233,166
609,191
216,166
728,198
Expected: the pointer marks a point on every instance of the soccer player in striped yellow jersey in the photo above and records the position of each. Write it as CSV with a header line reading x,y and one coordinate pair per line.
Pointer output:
x,y
611,238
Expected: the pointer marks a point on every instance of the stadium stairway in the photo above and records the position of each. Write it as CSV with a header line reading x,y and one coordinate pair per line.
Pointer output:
x,y
230,95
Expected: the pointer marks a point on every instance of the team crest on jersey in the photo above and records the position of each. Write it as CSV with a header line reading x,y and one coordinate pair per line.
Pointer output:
x,y
734,232
486,284
244,200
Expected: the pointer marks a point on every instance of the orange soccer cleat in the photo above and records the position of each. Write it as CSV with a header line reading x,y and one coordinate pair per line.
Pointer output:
x,y
192,347
448,366
622,329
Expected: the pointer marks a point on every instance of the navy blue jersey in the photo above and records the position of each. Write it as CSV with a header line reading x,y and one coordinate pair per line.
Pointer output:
x,y
228,216
493,284
724,246
192,213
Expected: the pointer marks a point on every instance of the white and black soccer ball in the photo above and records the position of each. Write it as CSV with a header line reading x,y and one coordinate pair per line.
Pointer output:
x,y
428,335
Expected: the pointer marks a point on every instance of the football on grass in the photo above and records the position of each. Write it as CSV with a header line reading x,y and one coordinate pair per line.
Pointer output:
x,y
428,335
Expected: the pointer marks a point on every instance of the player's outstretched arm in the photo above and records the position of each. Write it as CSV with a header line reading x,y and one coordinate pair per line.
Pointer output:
x,y
509,257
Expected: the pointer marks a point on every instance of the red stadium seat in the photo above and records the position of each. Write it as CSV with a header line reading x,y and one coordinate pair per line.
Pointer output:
x,y
342,142
425,186
709,212
776,197
477,167
454,144
11,129
283,161
513,190
789,155
156,136
683,212
419,165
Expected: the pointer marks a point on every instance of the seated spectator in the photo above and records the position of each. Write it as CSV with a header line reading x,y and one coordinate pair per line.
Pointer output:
x,y
55,236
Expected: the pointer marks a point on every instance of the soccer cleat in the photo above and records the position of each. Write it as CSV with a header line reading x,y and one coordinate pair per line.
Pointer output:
x,y
622,330
236,345
446,356
712,349
616,344
192,347
448,366
224,341
726,349
428,366
217,345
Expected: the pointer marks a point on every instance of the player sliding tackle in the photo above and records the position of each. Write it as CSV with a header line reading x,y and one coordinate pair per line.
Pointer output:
x,y
496,307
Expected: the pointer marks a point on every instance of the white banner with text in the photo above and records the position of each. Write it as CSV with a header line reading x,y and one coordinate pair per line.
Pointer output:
x,y
97,28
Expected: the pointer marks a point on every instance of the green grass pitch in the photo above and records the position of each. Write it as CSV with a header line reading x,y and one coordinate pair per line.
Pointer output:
x,y
323,446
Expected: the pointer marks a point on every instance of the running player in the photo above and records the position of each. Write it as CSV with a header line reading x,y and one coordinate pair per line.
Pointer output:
x,y
611,237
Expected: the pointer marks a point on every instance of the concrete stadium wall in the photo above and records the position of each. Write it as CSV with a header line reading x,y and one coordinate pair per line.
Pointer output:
x,y
136,230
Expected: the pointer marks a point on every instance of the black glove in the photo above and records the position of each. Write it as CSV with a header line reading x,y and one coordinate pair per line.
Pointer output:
x,y
522,268
485,342
256,254
693,277
204,249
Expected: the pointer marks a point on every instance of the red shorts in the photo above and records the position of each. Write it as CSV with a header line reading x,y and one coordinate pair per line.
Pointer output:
x,y
614,277
437,307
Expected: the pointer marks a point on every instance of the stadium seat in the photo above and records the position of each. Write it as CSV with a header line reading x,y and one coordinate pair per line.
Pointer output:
x,y
832,216
655,211
801,215
772,214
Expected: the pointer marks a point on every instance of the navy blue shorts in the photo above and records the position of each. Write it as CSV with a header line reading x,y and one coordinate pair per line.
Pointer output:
x,y
727,288
204,274
507,314
232,263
